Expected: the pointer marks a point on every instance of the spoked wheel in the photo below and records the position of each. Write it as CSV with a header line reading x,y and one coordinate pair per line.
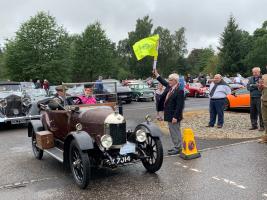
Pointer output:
x,y
80,165
154,152
38,153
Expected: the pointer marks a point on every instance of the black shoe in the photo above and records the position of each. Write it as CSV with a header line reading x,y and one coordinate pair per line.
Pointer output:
x,y
175,151
209,126
253,128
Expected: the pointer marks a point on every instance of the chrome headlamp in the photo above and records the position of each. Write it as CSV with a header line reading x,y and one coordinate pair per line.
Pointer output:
x,y
140,135
106,141
26,101
3,103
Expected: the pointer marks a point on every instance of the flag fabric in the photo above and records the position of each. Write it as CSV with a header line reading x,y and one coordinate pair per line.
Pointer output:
x,y
146,47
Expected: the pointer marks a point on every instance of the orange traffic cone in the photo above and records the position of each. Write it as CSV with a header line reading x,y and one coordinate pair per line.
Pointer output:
x,y
189,145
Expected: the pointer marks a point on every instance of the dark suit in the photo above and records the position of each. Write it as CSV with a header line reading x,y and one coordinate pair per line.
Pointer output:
x,y
172,104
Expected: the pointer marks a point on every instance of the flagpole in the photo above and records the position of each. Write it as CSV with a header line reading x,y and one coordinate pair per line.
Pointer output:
x,y
156,58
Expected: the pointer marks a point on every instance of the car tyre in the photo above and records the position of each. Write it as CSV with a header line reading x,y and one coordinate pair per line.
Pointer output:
x,y
227,105
154,150
37,152
80,165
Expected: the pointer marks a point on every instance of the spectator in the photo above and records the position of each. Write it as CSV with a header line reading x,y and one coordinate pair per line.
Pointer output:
x,y
218,92
263,87
158,94
181,82
88,97
255,99
237,79
172,103
189,79
99,85
38,84
46,86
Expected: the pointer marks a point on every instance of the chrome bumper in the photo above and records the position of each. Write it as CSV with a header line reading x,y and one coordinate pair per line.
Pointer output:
x,y
18,119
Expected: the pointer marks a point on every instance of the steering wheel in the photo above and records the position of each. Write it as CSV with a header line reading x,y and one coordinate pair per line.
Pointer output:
x,y
74,100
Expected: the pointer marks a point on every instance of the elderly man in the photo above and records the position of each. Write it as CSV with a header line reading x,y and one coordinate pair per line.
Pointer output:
x,y
172,103
263,88
255,99
218,92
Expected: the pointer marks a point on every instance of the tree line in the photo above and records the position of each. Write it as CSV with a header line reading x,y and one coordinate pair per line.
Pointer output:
x,y
41,49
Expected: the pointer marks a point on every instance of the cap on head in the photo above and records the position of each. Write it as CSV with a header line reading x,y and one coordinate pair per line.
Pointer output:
x,y
60,88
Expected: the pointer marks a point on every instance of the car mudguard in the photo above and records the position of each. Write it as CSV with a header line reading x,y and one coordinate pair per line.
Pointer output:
x,y
36,125
152,128
83,139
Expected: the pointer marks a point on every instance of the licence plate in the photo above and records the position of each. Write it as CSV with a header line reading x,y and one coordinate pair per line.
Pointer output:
x,y
122,160
18,121
127,148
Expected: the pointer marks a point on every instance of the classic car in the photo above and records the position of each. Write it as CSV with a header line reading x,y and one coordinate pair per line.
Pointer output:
x,y
238,99
124,93
197,90
85,136
36,94
141,91
15,104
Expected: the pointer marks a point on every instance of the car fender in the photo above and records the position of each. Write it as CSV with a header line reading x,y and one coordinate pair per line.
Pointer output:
x,y
84,140
153,129
36,125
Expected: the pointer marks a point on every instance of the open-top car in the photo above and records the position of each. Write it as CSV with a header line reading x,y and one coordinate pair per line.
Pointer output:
x,y
15,104
83,136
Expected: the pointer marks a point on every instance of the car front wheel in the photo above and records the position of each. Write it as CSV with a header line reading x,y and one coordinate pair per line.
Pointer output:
x,y
153,150
80,165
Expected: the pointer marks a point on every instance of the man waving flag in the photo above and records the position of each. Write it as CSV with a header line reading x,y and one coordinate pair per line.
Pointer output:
x,y
146,47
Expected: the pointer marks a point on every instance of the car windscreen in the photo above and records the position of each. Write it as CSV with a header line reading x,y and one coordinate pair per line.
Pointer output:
x,y
36,92
15,88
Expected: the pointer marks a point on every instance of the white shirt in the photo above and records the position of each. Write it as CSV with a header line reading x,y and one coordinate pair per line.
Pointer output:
x,y
221,91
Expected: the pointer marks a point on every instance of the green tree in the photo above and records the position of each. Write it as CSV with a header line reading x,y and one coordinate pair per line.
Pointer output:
x,y
93,54
211,65
40,49
3,73
257,56
234,46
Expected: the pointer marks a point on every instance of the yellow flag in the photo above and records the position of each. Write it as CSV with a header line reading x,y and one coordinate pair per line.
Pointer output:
x,y
146,47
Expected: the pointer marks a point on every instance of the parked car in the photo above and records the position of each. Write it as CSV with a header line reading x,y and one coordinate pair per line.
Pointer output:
x,y
85,136
238,99
52,90
15,104
235,86
141,91
124,93
36,94
197,90
27,85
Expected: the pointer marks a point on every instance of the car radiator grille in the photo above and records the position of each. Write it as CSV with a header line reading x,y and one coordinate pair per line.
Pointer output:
x,y
118,133
13,103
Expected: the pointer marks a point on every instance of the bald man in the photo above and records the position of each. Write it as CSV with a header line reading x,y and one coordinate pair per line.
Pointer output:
x,y
255,99
218,92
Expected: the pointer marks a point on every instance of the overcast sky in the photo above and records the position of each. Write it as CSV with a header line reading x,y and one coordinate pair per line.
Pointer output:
x,y
204,20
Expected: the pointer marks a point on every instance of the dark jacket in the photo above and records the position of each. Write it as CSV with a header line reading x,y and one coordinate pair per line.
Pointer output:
x,y
253,88
174,105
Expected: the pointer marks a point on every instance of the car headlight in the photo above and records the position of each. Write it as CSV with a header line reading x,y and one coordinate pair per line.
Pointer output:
x,y
26,101
140,135
3,103
106,141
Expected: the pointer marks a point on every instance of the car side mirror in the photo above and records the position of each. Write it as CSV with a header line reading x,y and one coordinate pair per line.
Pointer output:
x,y
234,94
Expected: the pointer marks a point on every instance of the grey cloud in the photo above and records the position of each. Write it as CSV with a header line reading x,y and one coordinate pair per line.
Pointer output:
x,y
204,20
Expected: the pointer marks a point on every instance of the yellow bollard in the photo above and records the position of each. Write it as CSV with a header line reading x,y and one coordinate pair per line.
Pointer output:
x,y
189,145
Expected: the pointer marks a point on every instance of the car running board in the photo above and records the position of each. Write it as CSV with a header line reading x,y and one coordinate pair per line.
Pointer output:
x,y
55,153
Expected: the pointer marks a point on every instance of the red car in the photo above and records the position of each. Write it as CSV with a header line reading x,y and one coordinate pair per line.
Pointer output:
x,y
197,90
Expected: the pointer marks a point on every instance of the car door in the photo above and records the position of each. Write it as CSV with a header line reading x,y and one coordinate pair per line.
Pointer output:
x,y
242,98
58,122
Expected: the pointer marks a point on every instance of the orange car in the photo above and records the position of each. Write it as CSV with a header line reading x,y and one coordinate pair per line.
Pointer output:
x,y
238,99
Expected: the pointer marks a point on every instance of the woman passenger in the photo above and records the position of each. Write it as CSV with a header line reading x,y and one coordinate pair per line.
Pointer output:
x,y
88,97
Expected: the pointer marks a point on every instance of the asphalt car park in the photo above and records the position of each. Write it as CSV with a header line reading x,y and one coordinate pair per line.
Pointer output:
x,y
228,169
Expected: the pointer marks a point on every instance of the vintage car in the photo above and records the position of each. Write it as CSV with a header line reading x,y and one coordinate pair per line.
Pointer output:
x,y
84,136
36,94
196,90
141,91
15,105
238,99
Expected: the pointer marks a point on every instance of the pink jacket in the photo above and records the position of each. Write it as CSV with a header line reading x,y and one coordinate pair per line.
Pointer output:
x,y
88,100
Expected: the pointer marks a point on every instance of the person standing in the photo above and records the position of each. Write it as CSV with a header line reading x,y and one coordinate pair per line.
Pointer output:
x,y
46,86
263,88
172,103
255,99
157,97
218,92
